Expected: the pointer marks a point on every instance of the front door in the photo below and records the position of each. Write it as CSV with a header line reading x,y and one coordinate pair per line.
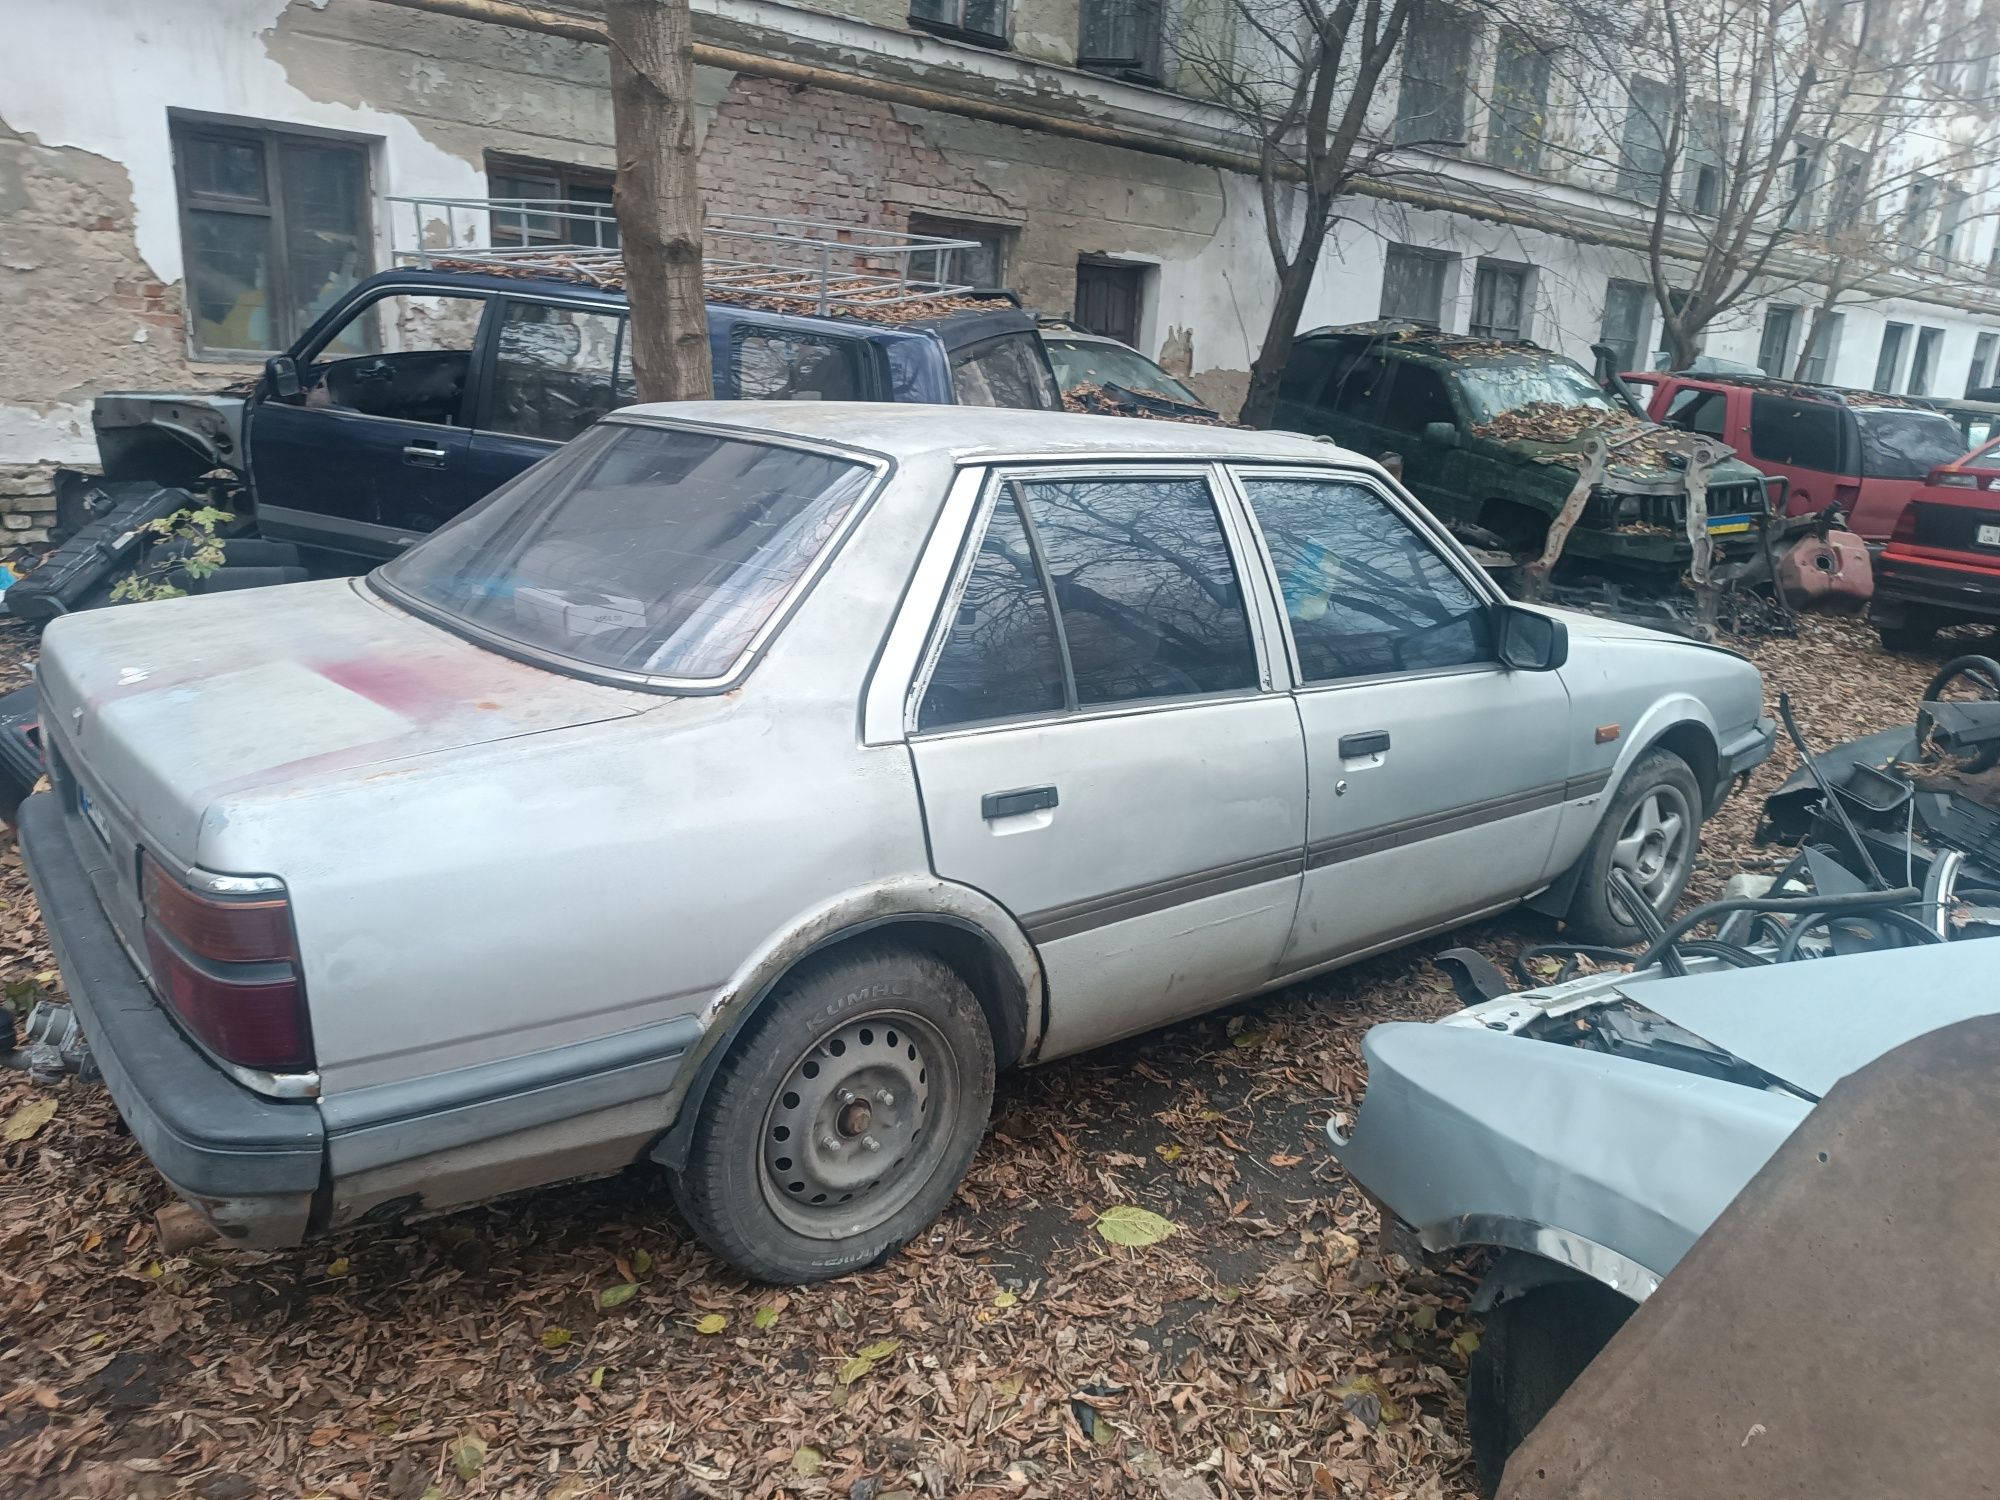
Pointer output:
x,y
1418,402
1100,748
375,443
1435,776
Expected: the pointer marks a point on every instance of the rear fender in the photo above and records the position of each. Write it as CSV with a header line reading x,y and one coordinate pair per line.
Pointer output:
x,y
901,901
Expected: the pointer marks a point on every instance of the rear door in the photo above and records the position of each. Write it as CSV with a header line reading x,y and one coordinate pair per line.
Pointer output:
x,y
1101,748
555,369
1801,443
1435,777
377,437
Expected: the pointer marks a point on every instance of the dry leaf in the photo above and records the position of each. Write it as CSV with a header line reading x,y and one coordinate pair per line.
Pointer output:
x,y
616,1296
29,1118
711,1324
1127,1225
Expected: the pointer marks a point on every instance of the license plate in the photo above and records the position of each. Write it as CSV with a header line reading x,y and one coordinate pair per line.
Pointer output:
x,y
1728,525
96,817
1989,536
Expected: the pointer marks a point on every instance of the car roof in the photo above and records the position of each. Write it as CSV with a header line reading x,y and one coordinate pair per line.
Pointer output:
x,y
905,430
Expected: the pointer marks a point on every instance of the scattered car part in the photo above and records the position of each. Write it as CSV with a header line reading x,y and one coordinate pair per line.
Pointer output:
x,y
1592,1130
731,673
82,570
1829,1333
21,764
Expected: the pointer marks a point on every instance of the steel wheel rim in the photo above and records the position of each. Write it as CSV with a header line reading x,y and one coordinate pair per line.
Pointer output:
x,y
858,1125
1653,846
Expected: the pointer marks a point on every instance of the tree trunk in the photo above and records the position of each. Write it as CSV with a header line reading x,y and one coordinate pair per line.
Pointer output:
x,y
1261,403
657,196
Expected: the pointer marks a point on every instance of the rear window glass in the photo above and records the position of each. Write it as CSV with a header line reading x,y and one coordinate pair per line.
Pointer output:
x,y
1897,444
1804,434
637,549
1007,371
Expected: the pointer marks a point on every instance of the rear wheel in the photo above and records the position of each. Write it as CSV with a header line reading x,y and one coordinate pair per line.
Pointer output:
x,y
1651,832
1903,627
1531,1351
843,1117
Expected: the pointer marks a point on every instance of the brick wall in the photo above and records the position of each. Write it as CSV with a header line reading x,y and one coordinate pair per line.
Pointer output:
x,y
811,153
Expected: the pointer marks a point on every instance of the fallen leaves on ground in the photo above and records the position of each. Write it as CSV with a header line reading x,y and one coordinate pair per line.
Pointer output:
x,y
1270,1347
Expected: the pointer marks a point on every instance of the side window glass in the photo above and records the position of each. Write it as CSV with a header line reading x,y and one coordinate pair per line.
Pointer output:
x,y
1355,381
1004,371
1802,433
414,359
1000,657
1698,411
1306,369
1417,399
1149,600
1365,591
777,366
552,370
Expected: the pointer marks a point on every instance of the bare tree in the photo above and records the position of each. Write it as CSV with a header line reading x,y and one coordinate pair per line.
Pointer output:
x,y
657,196
1766,141
1299,76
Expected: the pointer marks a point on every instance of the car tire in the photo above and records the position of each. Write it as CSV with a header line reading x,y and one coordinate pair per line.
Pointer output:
x,y
1651,829
843,1117
1530,1351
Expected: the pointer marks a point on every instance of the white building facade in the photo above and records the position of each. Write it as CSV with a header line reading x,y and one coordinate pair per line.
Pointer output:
x,y
183,187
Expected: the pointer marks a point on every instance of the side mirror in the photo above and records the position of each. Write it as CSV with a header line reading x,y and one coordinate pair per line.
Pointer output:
x,y
1530,641
282,372
1441,434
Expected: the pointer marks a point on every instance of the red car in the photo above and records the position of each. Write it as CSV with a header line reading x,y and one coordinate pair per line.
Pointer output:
x,y
1863,452
1942,564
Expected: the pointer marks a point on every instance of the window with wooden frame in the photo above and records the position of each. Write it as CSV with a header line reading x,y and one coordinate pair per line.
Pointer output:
x,y
275,227
554,184
980,21
1121,37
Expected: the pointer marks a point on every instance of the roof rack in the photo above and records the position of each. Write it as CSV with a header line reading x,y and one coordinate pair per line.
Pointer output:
x,y
833,266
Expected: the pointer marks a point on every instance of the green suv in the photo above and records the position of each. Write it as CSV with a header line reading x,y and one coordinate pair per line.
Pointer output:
x,y
1493,434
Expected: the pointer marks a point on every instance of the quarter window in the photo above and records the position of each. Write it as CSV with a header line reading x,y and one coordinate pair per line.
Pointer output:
x,y
1365,592
1006,371
552,371
1000,657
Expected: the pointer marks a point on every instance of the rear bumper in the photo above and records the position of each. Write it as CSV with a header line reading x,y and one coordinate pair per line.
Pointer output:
x,y
252,1166
1971,591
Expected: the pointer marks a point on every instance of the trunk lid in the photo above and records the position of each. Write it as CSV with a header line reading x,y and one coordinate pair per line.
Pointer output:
x,y
156,712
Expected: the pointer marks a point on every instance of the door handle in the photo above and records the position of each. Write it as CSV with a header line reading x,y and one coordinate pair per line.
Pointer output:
x,y
1007,804
424,455
1374,742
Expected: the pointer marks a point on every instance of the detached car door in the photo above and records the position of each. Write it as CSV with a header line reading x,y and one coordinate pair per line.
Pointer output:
x,y
1436,776
375,441
1101,748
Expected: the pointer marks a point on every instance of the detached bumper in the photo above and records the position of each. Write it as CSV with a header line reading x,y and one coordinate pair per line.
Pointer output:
x,y
250,1165
1740,757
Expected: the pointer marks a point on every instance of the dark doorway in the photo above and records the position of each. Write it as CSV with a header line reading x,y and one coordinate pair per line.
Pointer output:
x,y
1108,298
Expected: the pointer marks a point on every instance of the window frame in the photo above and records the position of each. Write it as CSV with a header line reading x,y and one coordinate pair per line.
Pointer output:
x,y
1001,40
1488,270
998,481
270,137
1148,64
1444,261
1412,514
471,405
565,175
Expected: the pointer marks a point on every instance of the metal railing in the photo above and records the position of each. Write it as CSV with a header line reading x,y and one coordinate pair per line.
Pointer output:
x,y
747,255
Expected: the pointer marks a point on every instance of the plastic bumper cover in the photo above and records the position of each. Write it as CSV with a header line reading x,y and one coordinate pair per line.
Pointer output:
x,y
250,1165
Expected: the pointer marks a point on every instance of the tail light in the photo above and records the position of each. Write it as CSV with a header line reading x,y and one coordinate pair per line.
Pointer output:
x,y
228,967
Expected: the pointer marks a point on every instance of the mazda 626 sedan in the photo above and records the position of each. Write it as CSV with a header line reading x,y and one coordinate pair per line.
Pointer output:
x,y
743,784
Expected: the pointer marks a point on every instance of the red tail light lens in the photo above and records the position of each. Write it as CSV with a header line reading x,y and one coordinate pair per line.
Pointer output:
x,y
229,969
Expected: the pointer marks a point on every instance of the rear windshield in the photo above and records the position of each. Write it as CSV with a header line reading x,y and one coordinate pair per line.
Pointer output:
x,y
650,550
1902,444
1007,371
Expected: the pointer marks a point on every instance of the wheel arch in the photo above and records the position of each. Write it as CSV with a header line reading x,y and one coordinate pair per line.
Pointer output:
x,y
1538,1255
962,927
